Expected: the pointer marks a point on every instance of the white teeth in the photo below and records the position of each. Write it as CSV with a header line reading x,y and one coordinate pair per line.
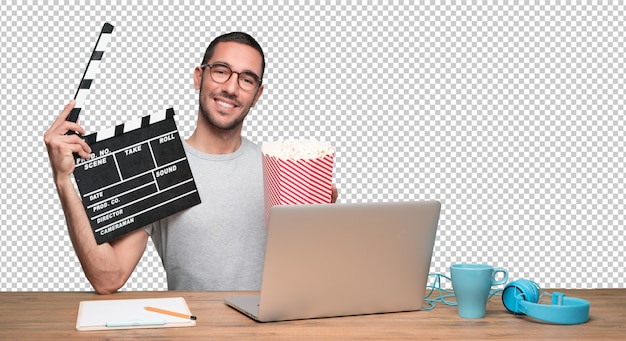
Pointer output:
x,y
225,105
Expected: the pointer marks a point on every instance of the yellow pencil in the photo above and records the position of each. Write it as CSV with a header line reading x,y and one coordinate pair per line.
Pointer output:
x,y
172,313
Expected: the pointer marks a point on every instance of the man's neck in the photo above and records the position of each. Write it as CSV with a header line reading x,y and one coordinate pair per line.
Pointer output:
x,y
215,141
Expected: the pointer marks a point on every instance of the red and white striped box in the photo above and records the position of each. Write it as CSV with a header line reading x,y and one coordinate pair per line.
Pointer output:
x,y
292,180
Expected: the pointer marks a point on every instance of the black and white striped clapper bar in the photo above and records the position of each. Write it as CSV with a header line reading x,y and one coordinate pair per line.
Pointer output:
x,y
137,173
90,71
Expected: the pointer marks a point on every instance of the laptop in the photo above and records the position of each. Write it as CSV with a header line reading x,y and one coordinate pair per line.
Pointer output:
x,y
327,260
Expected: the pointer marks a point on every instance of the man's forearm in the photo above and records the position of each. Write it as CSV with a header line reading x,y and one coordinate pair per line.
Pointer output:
x,y
99,262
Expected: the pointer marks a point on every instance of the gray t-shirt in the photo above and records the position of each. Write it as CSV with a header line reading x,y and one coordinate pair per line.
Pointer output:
x,y
220,243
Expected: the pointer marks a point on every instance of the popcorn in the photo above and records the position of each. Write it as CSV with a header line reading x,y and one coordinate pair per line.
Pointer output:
x,y
297,172
297,149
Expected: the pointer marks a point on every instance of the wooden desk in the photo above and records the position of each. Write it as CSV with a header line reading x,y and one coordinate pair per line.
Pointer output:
x,y
35,315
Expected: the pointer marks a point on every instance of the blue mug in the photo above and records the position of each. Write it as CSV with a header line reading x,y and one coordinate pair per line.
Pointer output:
x,y
472,284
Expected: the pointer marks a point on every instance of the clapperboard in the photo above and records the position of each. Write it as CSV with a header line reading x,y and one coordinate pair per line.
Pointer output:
x,y
138,172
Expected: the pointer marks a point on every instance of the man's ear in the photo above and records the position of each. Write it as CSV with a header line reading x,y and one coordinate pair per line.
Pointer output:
x,y
258,95
197,77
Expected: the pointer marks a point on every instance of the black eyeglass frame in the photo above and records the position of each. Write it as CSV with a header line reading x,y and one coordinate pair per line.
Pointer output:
x,y
249,73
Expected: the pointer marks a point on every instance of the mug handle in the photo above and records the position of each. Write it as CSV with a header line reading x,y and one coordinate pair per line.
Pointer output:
x,y
503,280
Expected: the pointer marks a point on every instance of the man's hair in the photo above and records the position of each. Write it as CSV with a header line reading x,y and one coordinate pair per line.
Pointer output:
x,y
237,37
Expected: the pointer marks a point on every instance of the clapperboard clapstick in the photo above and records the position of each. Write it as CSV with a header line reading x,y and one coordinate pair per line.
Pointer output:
x,y
138,172
90,72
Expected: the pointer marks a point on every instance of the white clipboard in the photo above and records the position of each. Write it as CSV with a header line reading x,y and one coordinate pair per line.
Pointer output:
x,y
131,313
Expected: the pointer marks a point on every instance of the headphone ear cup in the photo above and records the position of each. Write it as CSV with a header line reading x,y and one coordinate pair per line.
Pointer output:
x,y
522,297
517,291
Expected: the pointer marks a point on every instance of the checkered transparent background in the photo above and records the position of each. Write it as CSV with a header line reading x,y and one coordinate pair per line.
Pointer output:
x,y
511,115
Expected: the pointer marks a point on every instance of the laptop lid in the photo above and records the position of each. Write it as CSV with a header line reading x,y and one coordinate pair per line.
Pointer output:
x,y
344,259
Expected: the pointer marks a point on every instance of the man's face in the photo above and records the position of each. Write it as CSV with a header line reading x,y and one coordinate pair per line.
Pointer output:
x,y
226,105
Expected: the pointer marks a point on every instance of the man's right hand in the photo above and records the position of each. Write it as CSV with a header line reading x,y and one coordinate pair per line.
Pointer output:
x,y
61,146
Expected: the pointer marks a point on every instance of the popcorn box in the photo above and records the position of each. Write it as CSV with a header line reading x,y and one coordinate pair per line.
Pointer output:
x,y
297,172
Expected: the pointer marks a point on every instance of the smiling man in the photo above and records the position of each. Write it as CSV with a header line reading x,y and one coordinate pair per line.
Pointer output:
x,y
217,245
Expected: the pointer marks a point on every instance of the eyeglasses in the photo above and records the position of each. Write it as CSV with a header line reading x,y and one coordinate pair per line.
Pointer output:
x,y
220,73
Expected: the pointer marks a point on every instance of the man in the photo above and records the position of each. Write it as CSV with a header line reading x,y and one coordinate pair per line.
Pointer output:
x,y
217,245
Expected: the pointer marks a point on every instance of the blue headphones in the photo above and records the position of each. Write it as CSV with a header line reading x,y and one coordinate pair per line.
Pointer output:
x,y
522,297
